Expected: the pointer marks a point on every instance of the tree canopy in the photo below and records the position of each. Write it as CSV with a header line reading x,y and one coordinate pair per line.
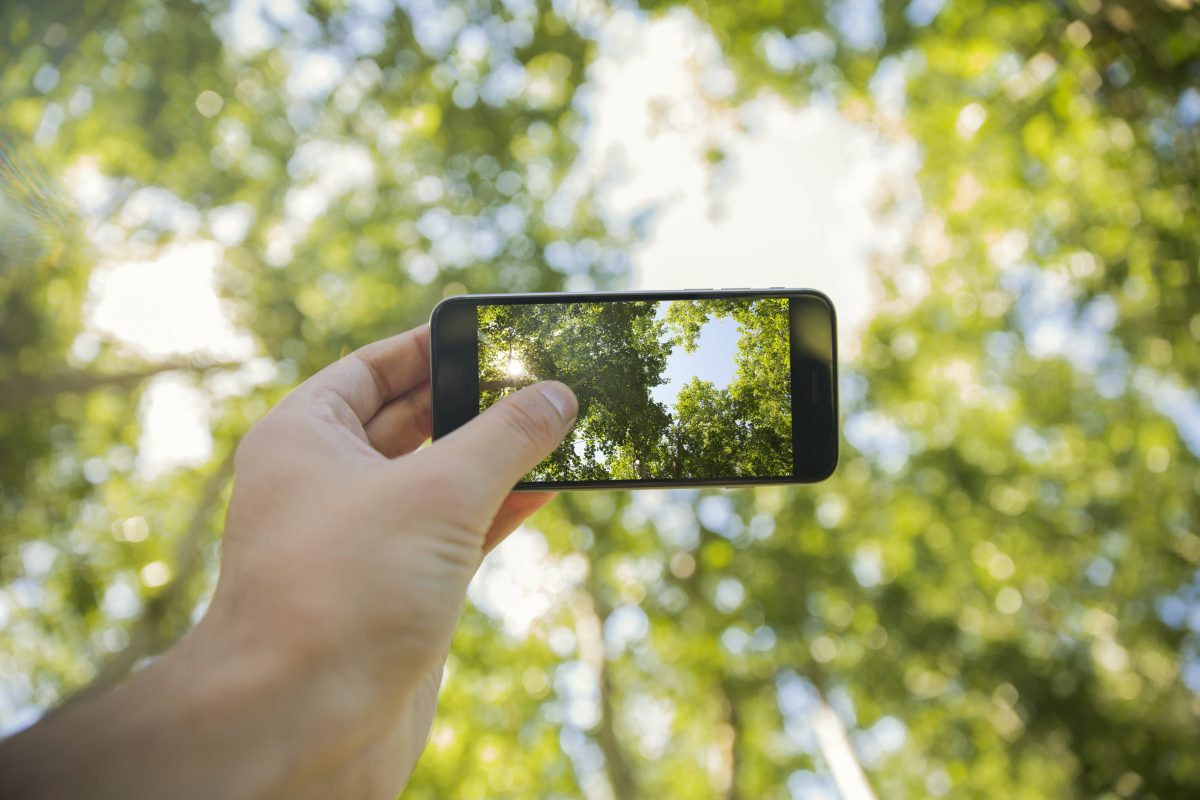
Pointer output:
x,y
612,354
751,420
995,595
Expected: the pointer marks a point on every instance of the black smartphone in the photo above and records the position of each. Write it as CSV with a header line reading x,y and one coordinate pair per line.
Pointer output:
x,y
684,388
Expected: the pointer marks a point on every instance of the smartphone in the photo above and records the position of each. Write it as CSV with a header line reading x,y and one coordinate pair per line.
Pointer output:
x,y
722,387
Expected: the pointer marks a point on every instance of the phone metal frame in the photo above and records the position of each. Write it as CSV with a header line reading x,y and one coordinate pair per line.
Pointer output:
x,y
455,389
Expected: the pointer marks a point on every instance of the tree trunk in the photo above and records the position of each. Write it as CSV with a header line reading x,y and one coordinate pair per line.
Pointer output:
x,y
728,732
639,469
728,739
839,754
589,628
676,451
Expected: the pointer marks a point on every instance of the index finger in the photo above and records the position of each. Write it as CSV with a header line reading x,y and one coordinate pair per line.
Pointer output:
x,y
515,509
374,374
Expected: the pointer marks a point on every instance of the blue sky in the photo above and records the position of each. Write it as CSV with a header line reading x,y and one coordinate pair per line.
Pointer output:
x,y
712,360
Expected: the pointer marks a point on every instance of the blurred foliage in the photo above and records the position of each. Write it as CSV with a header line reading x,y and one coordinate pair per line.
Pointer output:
x,y
997,593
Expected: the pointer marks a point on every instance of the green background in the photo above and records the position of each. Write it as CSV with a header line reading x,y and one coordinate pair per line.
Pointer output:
x,y
995,596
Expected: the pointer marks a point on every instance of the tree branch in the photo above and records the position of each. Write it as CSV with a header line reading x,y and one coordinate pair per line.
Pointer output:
x,y
497,385
149,634
19,391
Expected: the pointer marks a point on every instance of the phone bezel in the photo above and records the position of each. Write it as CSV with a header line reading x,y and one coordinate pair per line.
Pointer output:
x,y
454,376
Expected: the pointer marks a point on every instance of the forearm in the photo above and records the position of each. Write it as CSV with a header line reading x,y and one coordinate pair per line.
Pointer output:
x,y
214,717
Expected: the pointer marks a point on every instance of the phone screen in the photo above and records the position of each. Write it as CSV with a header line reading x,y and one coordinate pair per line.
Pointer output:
x,y
674,388
667,389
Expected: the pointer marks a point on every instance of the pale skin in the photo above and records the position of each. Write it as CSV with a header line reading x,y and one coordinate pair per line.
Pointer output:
x,y
347,553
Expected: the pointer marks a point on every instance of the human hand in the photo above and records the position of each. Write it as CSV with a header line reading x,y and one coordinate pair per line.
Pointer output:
x,y
316,667
347,555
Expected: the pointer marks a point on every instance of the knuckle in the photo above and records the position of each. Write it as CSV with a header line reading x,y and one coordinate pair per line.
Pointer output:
x,y
429,473
432,479
449,491
459,546
261,444
526,420
248,445
465,519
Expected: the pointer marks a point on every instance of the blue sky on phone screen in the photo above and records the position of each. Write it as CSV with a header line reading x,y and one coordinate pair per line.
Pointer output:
x,y
712,360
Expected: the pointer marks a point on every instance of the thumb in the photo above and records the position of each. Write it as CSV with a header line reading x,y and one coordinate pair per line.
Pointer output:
x,y
496,448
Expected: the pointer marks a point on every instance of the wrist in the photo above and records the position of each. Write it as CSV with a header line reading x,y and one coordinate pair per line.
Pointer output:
x,y
299,716
175,728
342,670
218,715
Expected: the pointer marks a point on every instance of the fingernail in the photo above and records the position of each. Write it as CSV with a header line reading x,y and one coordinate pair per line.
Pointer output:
x,y
561,397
